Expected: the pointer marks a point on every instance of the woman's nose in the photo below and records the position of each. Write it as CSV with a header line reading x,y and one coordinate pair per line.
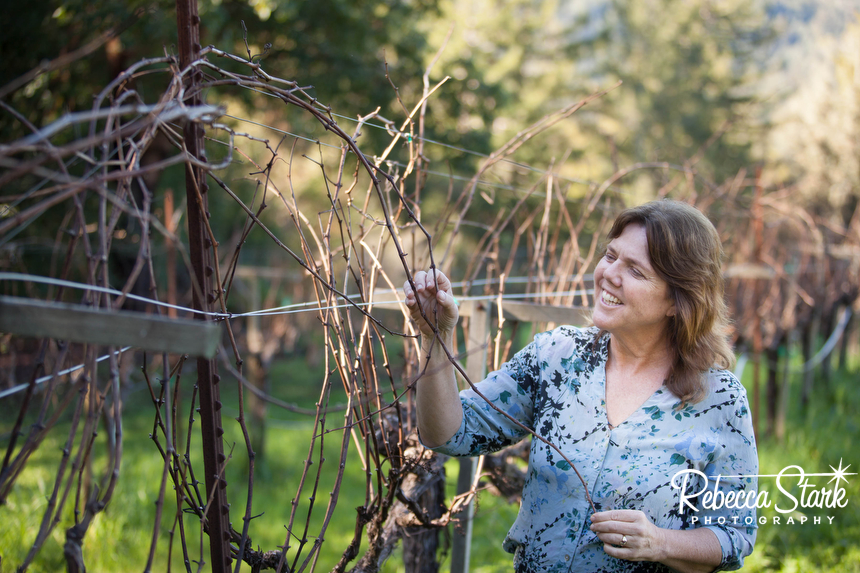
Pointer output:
x,y
612,273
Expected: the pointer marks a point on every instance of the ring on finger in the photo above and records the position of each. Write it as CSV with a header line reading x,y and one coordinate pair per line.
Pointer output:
x,y
623,540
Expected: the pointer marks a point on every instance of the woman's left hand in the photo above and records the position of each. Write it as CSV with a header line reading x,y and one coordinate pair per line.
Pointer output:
x,y
628,534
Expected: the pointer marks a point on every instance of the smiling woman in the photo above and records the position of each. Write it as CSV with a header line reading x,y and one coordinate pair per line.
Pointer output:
x,y
675,244
632,401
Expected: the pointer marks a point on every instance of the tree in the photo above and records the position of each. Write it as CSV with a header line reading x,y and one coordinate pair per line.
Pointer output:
x,y
337,46
683,73
814,121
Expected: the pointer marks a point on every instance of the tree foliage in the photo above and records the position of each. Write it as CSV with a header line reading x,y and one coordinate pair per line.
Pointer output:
x,y
338,47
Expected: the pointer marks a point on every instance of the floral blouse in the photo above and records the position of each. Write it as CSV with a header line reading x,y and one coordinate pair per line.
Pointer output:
x,y
555,386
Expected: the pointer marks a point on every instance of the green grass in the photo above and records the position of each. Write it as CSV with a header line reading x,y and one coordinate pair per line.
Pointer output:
x,y
118,540
817,438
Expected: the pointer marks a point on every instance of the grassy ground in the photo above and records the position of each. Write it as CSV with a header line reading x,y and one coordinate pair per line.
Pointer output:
x,y
826,434
118,541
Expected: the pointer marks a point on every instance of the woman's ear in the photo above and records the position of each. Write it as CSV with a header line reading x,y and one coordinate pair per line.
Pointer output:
x,y
673,310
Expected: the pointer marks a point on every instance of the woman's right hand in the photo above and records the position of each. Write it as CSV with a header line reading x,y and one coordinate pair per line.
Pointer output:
x,y
435,297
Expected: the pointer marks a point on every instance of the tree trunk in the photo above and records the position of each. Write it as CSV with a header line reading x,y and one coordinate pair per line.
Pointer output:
x,y
827,326
423,486
785,383
773,389
809,334
845,342
420,544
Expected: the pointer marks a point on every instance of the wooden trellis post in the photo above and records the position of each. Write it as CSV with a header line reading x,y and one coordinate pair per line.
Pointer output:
x,y
477,340
477,343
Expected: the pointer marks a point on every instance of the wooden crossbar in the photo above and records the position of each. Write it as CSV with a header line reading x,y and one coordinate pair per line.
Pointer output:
x,y
43,319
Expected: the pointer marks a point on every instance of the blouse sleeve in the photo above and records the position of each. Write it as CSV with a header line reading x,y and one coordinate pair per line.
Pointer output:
x,y
513,390
733,472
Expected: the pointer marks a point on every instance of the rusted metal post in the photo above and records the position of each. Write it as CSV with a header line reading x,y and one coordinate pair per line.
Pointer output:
x,y
217,517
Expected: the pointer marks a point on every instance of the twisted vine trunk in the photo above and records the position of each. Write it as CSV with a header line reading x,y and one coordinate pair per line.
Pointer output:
x,y
421,543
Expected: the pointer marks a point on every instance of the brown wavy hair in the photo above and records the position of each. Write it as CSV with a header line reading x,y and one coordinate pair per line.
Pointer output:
x,y
686,252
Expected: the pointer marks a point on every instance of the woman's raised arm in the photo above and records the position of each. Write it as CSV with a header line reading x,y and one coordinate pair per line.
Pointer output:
x,y
439,410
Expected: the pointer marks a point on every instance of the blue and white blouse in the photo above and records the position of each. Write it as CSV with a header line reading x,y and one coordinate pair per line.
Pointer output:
x,y
555,386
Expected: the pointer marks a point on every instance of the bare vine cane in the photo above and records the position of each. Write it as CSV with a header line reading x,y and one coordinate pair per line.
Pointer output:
x,y
438,338
371,169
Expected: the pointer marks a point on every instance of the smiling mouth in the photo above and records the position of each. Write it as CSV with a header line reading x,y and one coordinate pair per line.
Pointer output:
x,y
609,299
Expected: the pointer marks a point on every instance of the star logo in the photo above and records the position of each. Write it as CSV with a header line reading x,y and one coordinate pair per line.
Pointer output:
x,y
839,474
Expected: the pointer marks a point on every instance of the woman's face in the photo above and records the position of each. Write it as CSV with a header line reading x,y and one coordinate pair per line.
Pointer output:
x,y
630,299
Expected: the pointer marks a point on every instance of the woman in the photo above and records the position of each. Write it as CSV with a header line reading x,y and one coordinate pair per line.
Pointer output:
x,y
641,404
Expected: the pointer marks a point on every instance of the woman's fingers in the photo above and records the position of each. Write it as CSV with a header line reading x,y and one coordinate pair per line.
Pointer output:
x,y
450,313
410,294
436,279
418,280
627,534
617,521
432,294
430,282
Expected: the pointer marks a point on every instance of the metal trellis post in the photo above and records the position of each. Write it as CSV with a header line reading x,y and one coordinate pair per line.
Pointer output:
x,y
217,517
